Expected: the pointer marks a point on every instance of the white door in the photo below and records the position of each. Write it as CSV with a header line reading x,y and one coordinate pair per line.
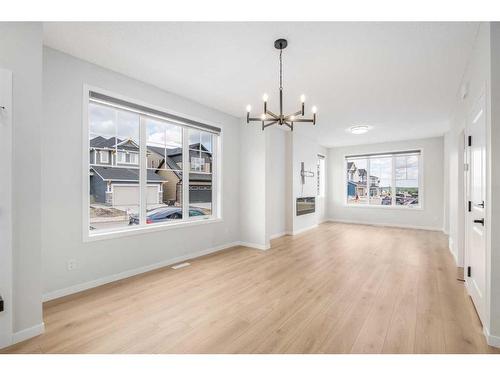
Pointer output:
x,y
475,262
6,206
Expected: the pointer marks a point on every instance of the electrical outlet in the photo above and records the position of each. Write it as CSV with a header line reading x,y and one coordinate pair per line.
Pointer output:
x,y
71,264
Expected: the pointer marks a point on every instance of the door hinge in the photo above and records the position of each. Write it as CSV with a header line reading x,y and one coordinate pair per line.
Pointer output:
x,y
469,140
469,271
470,206
1,304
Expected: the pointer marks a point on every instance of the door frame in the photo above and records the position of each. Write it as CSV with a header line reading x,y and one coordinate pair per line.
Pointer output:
x,y
6,256
482,311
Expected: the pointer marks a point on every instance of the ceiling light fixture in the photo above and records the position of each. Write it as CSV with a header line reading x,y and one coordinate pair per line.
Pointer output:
x,y
361,129
269,118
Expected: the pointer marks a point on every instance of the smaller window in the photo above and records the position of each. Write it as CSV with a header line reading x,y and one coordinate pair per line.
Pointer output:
x,y
104,156
121,157
320,176
197,164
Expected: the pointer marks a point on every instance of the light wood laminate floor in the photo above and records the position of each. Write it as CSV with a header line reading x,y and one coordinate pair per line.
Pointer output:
x,y
339,288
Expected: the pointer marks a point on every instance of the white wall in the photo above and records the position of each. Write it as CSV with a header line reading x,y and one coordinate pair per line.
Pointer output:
x,y
276,181
21,53
63,80
430,217
252,149
306,150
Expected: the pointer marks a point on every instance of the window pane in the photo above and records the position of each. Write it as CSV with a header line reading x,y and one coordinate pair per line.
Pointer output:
x,y
164,199
200,194
194,139
114,169
200,161
206,141
407,193
164,143
164,162
381,181
357,181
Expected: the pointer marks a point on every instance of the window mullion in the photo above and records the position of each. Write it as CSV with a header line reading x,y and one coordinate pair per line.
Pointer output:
x,y
185,174
142,171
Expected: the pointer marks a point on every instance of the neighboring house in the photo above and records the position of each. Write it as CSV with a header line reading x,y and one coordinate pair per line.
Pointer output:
x,y
356,183
114,174
200,184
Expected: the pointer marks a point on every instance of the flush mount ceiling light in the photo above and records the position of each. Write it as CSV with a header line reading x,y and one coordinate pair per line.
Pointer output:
x,y
268,118
359,129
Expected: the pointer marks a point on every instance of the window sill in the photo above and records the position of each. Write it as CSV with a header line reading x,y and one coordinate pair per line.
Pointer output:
x,y
150,228
407,208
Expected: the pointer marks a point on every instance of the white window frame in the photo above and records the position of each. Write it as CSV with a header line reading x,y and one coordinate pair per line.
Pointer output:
x,y
393,205
217,183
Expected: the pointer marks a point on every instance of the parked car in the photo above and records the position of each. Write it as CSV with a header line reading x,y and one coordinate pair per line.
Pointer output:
x,y
386,201
168,213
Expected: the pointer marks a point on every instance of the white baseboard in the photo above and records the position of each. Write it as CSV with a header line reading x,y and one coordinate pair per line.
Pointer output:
x,y
452,250
255,245
299,231
278,235
492,340
123,275
28,333
404,226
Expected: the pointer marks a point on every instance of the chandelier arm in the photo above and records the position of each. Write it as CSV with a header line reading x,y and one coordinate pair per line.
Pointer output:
x,y
298,113
269,124
276,117
255,119
304,120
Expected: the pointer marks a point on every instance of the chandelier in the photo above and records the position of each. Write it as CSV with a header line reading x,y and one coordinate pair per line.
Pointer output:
x,y
269,118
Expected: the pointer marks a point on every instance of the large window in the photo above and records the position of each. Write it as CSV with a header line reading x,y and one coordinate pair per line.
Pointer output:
x,y
390,180
138,159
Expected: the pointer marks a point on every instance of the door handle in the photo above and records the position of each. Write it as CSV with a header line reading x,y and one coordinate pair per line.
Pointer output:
x,y
479,221
481,205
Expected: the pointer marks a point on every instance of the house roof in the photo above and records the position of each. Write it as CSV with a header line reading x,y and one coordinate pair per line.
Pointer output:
x,y
124,174
121,144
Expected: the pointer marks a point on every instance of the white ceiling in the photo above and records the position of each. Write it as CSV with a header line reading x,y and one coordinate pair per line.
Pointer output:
x,y
399,78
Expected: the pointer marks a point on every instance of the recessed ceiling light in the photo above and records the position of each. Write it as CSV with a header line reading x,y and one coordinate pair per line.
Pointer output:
x,y
360,129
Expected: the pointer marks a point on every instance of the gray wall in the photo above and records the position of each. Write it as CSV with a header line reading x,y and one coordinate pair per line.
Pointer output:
x,y
21,52
64,77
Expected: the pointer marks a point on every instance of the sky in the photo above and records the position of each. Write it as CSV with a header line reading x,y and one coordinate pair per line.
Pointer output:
x,y
110,122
